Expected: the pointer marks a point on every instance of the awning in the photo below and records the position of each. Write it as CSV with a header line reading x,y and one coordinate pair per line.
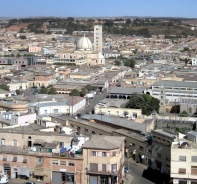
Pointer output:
x,y
38,141
23,171
14,159
39,172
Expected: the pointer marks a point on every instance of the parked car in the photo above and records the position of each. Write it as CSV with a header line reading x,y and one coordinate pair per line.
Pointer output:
x,y
29,182
77,116
127,170
3,179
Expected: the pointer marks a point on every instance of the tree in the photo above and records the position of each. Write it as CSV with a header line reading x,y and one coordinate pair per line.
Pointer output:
x,y
83,91
18,92
145,102
75,92
52,91
184,114
89,87
43,90
129,62
117,63
4,87
23,37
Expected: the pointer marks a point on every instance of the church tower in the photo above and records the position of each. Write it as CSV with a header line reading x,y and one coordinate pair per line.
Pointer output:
x,y
98,40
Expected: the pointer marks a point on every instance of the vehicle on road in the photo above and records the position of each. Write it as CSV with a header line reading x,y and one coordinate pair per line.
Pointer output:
x,y
77,116
3,179
29,182
127,170
89,95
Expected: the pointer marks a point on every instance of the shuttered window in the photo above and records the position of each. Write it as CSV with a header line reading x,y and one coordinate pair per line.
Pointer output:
x,y
93,167
194,170
114,167
182,170
104,168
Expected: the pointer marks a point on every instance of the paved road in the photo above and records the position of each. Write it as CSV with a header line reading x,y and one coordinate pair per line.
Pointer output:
x,y
93,102
137,175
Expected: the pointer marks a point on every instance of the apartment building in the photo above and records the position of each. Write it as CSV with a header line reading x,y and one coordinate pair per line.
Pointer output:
x,y
161,150
44,79
104,159
30,153
184,159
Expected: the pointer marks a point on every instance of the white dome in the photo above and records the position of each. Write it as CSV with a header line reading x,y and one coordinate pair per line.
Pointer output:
x,y
84,43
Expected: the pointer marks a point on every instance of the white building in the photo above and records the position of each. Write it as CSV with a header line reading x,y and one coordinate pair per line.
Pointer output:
x,y
184,159
55,107
194,61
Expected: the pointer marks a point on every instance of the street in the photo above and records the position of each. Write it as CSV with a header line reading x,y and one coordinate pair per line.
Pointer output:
x,y
93,102
136,175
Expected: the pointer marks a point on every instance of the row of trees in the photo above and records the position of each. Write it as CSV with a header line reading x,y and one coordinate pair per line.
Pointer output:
x,y
48,90
146,102
126,61
83,92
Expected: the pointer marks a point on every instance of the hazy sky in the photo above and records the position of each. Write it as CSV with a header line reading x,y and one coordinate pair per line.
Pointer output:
x,y
89,8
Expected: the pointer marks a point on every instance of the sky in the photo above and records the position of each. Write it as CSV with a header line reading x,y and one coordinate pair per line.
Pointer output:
x,y
98,8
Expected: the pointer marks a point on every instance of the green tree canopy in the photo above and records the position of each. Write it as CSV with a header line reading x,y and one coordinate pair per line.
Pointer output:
x,y
117,63
145,102
129,62
83,91
4,87
52,91
89,87
75,92
43,90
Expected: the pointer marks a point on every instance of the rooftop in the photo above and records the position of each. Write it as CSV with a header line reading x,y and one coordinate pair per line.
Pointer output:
x,y
104,142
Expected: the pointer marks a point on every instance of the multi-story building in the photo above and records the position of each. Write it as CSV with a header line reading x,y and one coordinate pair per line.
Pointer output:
x,y
44,79
161,150
184,159
29,153
104,160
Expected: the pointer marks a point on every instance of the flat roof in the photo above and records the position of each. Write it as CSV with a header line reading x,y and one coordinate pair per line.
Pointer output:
x,y
176,84
126,91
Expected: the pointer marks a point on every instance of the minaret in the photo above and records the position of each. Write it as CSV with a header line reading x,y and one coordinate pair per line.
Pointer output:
x,y
98,40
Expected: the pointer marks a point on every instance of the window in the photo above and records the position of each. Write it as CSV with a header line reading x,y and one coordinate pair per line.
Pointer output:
x,y
104,154
114,167
62,162
141,148
39,160
113,153
194,170
71,164
29,137
93,133
93,153
61,144
194,158
190,110
3,142
15,143
104,168
94,167
86,130
182,158
149,151
55,162
182,171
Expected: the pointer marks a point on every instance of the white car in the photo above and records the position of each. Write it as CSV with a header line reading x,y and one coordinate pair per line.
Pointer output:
x,y
3,179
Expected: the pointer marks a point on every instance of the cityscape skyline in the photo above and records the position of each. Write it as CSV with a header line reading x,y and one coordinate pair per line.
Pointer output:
x,y
85,8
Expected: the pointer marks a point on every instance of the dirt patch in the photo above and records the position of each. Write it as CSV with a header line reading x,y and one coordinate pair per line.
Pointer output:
x,y
17,27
